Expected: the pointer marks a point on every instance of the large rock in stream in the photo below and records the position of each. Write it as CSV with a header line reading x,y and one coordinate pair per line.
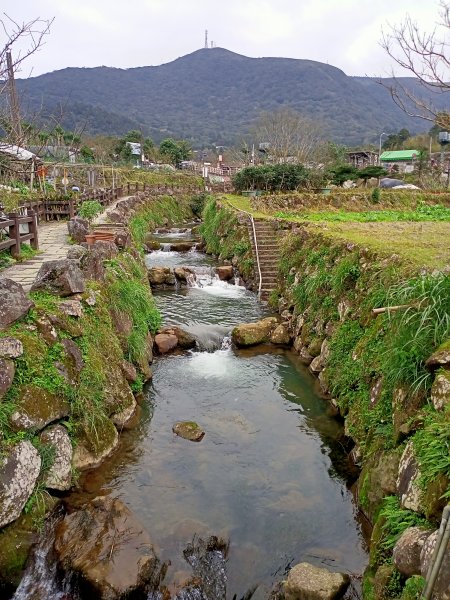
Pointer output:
x,y
250,334
307,582
109,550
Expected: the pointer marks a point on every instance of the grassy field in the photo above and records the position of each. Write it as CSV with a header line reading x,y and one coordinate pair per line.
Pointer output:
x,y
421,237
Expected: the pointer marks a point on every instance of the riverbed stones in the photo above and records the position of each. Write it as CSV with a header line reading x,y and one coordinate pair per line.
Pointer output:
x,y
165,342
182,274
10,347
185,340
407,550
19,471
440,390
225,272
62,277
7,370
308,582
59,475
189,430
109,549
35,408
251,334
441,588
14,303
182,246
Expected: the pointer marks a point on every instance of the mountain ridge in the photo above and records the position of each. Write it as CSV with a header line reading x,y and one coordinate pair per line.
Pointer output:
x,y
214,95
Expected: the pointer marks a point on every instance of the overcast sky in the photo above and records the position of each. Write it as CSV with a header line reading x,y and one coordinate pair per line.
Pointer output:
x,y
120,33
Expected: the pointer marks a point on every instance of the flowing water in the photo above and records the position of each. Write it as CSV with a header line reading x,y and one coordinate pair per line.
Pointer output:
x,y
270,476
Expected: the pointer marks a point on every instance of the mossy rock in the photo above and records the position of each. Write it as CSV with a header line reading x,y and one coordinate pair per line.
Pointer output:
x,y
405,412
377,480
189,430
431,498
96,440
35,408
382,581
16,540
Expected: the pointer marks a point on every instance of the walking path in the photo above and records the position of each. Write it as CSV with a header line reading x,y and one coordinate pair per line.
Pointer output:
x,y
53,245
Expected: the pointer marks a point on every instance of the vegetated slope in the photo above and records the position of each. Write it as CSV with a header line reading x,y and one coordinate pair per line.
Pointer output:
x,y
214,95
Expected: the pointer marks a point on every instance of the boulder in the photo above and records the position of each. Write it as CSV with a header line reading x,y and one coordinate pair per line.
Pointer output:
x,y
78,228
46,329
144,361
129,371
280,335
225,272
92,262
61,277
405,407
59,476
184,338
10,347
71,308
189,430
440,358
74,359
108,549
118,394
165,342
161,276
408,489
35,408
182,273
124,416
95,446
407,550
441,590
19,472
307,582
76,252
7,370
14,303
182,246
377,480
250,334
440,390
315,347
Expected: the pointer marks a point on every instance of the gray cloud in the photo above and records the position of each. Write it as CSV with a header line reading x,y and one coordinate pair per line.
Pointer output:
x,y
344,33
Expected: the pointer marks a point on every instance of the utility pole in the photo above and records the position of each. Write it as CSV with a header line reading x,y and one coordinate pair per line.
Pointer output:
x,y
13,102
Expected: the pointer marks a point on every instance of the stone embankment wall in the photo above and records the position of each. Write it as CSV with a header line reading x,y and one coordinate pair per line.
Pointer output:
x,y
387,374
74,356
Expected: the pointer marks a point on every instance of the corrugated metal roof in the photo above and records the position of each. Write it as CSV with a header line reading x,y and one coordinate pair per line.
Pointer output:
x,y
399,155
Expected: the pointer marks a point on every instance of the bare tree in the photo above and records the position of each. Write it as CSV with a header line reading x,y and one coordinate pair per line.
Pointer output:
x,y
20,41
425,56
287,136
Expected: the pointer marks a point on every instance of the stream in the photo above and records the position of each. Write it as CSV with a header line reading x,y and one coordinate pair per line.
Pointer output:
x,y
270,477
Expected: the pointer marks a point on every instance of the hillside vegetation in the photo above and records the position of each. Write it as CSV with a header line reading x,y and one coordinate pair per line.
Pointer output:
x,y
213,96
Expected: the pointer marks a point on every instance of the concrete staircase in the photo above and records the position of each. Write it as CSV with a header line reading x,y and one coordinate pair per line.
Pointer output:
x,y
269,254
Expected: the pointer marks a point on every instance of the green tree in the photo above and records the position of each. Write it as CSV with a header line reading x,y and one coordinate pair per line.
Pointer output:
x,y
174,151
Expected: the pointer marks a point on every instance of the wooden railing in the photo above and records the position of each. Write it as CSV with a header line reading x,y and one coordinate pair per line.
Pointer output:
x,y
10,231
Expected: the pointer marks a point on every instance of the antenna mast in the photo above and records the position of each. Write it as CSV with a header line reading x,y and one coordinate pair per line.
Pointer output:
x,y
206,38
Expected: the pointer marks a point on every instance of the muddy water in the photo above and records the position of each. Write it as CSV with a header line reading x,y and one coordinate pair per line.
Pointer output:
x,y
270,475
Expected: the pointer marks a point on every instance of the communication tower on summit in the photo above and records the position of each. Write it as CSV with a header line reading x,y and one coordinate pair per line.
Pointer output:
x,y
206,38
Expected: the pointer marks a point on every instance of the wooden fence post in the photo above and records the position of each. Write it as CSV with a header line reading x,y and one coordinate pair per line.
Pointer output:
x,y
14,233
33,228
71,208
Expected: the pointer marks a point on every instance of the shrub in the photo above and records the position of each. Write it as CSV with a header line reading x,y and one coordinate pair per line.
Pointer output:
x,y
89,209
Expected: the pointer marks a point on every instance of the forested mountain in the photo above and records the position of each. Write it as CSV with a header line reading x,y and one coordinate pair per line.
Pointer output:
x,y
214,95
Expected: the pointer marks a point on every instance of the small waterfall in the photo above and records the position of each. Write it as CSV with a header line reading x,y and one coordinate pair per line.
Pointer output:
x,y
165,247
42,578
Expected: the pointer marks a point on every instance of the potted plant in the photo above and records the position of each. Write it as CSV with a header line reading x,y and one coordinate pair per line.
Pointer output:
x,y
89,209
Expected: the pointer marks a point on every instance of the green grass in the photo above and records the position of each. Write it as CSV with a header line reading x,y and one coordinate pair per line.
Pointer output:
x,y
128,291
422,213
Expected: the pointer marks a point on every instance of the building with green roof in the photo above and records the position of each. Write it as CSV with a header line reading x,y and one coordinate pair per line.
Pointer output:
x,y
399,155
